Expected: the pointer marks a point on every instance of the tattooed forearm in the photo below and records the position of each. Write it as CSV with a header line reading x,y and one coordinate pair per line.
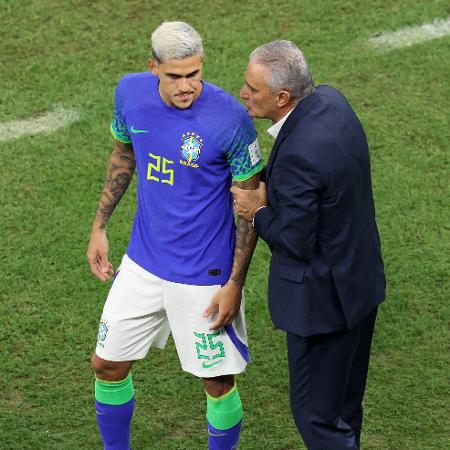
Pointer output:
x,y
118,177
245,245
246,239
119,184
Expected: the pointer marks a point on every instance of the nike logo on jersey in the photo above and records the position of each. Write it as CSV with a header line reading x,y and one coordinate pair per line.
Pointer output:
x,y
207,366
136,131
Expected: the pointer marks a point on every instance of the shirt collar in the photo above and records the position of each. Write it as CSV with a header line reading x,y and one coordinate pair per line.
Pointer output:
x,y
276,127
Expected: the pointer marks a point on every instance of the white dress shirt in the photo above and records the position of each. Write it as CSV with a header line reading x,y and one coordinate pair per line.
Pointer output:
x,y
276,127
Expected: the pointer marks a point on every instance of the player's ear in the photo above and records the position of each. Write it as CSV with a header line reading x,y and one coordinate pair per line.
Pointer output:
x,y
153,66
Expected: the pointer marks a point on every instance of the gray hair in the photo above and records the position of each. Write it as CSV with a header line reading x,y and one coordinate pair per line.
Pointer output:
x,y
175,40
287,68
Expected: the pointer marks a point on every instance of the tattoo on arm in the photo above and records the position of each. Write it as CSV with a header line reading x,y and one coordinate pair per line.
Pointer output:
x,y
118,177
246,239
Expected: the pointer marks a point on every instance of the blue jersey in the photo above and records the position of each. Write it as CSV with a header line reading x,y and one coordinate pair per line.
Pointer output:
x,y
183,230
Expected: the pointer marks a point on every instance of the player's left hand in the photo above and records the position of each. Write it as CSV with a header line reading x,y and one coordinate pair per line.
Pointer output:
x,y
225,305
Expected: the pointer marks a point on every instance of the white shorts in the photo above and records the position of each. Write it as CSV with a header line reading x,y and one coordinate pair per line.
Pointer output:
x,y
141,310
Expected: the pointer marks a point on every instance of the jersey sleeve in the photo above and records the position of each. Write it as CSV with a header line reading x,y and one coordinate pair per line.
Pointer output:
x,y
244,156
118,125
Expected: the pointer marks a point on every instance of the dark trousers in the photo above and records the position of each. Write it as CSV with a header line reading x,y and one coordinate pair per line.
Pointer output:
x,y
327,375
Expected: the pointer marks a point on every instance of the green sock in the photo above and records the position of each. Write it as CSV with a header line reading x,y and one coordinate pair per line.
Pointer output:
x,y
224,412
114,392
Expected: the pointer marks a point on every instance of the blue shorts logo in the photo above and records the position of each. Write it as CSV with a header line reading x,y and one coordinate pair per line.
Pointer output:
x,y
190,149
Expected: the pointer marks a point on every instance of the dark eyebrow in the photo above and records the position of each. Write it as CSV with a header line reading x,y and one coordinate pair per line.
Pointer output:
x,y
189,75
195,72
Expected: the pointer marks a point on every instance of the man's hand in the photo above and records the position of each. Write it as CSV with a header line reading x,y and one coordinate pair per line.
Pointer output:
x,y
224,305
247,202
97,255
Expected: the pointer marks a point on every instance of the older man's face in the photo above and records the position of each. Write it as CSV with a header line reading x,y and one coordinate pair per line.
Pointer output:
x,y
260,101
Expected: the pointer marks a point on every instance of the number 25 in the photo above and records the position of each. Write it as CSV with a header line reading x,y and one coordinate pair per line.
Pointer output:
x,y
160,168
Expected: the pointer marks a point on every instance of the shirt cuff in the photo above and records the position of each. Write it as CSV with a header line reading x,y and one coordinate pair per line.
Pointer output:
x,y
256,212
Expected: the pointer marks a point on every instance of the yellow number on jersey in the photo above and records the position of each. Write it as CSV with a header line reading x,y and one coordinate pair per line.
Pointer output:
x,y
160,169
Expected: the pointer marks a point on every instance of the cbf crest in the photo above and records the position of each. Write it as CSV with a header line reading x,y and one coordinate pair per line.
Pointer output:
x,y
102,332
190,149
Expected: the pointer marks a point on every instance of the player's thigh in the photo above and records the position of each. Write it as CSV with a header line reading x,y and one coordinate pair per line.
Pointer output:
x,y
204,352
133,317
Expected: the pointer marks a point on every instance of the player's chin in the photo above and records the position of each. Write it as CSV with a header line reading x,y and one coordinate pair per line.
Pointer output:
x,y
184,104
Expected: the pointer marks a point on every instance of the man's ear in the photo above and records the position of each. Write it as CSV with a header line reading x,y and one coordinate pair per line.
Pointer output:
x,y
153,66
284,98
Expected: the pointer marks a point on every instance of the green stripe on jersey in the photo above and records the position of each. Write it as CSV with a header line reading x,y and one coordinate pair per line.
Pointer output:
x,y
118,136
248,175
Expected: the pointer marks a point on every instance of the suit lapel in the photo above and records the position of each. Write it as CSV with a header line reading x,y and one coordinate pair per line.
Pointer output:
x,y
302,108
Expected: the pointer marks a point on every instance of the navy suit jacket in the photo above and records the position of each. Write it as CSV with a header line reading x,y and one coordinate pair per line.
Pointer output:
x,y
326,271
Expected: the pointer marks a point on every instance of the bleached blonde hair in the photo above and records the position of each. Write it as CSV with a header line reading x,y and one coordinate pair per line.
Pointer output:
x,y
175,40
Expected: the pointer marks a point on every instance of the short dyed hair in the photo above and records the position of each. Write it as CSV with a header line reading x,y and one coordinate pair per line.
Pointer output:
x,y
175,40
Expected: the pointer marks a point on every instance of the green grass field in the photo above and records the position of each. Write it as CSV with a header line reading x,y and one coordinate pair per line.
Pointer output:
x,y
72,53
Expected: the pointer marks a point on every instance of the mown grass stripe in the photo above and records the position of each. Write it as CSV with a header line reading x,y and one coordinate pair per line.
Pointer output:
x,y
45,123
411,35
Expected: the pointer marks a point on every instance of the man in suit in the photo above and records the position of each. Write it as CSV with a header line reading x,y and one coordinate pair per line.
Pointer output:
x,y
316,213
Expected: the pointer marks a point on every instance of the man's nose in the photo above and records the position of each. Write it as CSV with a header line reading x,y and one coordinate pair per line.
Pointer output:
x,y
243,93
183,85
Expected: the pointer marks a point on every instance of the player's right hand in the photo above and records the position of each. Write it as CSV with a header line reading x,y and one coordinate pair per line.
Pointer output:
x,y
97,255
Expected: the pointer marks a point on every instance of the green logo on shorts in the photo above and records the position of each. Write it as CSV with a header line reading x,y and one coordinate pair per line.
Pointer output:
x,y
207,345
207,366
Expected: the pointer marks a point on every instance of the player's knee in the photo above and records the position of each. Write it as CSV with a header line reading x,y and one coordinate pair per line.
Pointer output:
x,y
109,370
218,386
98,364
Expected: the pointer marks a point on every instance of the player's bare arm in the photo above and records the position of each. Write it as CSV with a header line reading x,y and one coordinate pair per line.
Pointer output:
x,y
227,301
119,172
245,239
118,177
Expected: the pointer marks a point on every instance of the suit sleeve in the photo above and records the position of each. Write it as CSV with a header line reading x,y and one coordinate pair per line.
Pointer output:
x,y
291,223
262,174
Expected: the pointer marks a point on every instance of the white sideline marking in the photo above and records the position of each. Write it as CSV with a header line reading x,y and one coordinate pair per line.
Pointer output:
x,y
45,123
411,35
